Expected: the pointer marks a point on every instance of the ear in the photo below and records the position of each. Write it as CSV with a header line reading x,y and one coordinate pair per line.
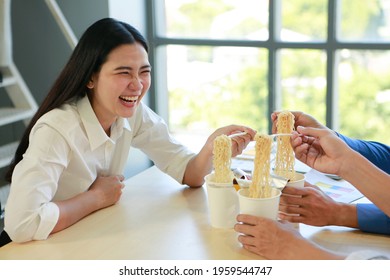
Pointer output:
x,y
90,84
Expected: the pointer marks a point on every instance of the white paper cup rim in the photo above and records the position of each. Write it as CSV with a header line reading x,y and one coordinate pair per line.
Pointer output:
x,y
241,193
210,183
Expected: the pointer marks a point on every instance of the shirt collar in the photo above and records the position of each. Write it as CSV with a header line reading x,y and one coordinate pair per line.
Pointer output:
x,y
95,132
119,127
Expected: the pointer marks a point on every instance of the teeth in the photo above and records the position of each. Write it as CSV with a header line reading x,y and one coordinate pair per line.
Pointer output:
x,y
129,98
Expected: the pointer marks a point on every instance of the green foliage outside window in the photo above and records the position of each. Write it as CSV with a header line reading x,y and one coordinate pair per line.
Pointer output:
x,y
242,96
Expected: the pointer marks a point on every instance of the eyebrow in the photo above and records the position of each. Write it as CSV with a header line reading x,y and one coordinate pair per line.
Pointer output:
x,y
130,68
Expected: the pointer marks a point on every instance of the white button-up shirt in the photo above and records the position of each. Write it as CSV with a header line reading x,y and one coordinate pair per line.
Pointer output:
x,y
68,149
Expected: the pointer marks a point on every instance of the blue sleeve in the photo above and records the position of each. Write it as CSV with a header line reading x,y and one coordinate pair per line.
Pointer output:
x,y
372,219
377,153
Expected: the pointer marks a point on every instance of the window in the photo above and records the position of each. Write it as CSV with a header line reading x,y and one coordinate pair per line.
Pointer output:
x,y
225,61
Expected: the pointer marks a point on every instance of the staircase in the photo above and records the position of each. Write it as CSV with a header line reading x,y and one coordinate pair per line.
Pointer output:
x,y
11,84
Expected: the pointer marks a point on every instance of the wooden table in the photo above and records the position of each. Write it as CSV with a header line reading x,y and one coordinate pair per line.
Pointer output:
x,y
157,218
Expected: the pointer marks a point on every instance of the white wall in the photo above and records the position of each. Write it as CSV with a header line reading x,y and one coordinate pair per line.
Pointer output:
x,y
132,12
5,32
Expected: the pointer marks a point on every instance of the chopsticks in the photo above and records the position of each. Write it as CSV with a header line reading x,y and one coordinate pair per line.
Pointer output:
x,y
237,134
281,134
272,135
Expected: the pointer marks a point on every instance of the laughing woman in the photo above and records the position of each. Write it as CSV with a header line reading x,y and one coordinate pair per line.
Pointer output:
x,y
63,167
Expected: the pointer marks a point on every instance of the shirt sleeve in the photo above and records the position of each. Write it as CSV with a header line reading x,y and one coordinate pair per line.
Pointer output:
x,y
367,255
153,138
377,153
30,213
372,219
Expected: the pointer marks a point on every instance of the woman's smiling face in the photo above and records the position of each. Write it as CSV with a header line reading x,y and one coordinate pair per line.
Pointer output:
x,y
120,85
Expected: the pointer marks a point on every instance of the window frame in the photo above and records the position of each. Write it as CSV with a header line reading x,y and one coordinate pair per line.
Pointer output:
x,y
158,97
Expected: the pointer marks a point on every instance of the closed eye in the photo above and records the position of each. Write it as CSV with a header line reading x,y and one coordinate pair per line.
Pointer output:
x,y
125,70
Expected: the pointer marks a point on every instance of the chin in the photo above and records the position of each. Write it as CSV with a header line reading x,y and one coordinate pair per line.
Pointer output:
x,y
128,114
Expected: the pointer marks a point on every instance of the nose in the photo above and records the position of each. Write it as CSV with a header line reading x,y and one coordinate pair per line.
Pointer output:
x,y
135,83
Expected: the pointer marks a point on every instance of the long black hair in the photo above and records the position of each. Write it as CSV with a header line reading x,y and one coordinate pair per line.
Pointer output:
x,y
87,58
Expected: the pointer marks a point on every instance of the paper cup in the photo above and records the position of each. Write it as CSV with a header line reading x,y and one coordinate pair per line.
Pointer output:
x,y
222,202
263,207
297,181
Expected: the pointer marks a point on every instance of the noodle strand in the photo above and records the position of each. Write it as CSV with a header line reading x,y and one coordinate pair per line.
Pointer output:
x,y
222,151
261,180
285,159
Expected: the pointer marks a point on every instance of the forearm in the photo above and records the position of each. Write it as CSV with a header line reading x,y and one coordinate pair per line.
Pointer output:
x,y
346,215
198,167
74,209
369,179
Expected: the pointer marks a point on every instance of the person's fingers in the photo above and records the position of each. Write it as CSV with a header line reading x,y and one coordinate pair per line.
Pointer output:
x,y
291,200
285,216
291,218
293,210
247,219
312,131
285,208
247,240
298,191
248,230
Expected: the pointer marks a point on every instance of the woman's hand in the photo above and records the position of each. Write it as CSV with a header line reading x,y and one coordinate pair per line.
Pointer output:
x,y
202,163
104,192
107,190
239,143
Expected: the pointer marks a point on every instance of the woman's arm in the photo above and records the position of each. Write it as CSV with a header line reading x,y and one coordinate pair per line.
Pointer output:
x,y
104,192
31,212
201,165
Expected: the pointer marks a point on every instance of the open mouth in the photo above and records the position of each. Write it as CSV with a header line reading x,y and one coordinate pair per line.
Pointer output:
x,y
130,99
